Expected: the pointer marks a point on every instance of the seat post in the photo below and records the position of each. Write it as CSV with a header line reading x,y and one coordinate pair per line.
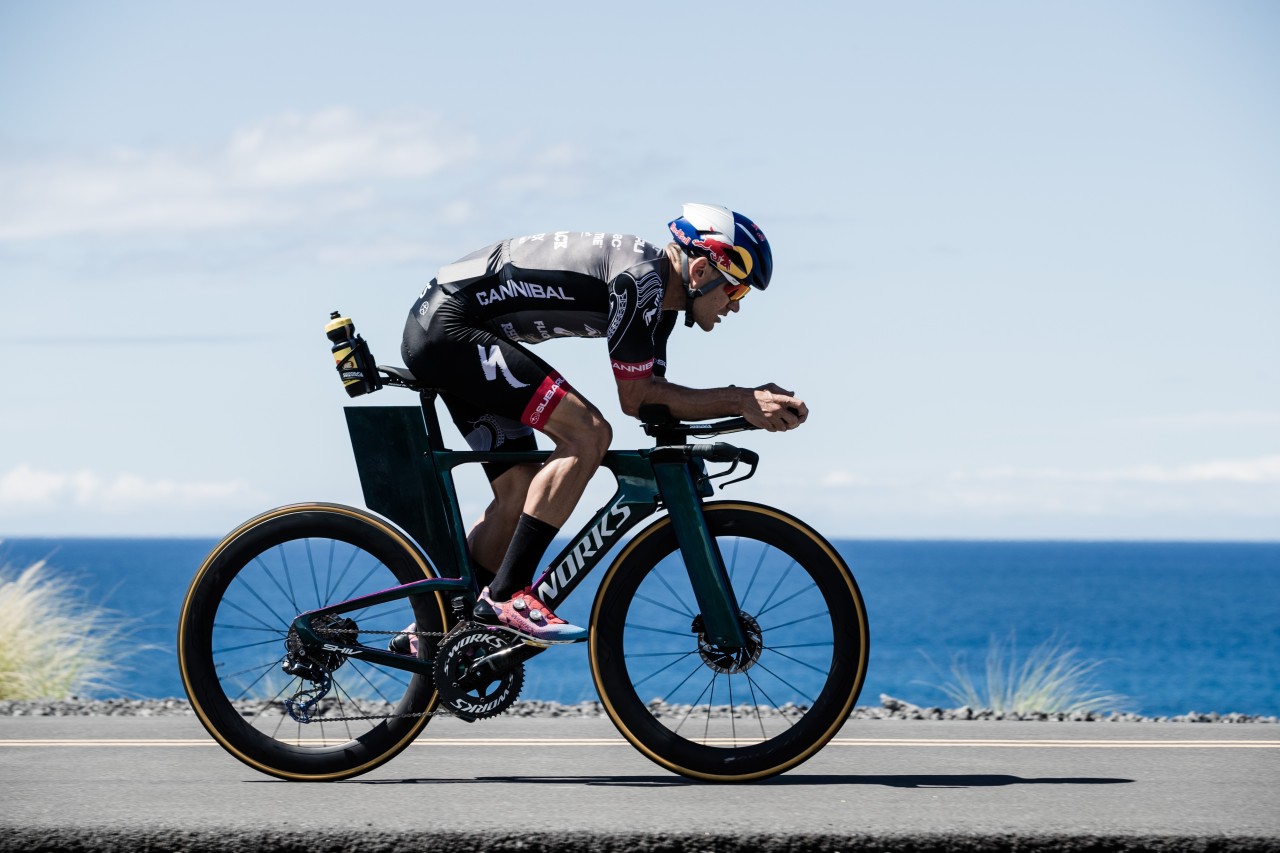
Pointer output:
x,y
427,396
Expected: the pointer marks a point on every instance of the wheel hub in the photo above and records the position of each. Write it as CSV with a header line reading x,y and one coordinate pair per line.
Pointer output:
x,y
311,662
731,661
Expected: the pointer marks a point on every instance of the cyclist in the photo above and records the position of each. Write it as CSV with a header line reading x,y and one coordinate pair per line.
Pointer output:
x,y
467,334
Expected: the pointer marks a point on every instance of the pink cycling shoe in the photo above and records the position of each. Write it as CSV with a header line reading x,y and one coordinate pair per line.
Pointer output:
x,y
528,616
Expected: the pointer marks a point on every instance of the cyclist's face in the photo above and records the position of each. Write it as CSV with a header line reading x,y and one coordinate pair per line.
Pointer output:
x,y
715,304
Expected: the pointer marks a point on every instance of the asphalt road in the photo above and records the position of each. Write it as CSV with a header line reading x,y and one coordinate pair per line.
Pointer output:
x,y
570,784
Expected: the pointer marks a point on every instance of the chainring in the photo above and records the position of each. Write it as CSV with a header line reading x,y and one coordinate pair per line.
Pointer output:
x,y
466,689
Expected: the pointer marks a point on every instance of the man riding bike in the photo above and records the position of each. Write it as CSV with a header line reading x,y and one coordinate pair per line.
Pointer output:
x,y
467,334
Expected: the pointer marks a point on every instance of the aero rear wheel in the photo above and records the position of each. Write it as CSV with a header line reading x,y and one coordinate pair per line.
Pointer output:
x,y
237,616
731,715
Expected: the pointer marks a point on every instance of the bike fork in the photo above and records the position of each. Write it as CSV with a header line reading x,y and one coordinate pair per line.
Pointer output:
x,y
702,557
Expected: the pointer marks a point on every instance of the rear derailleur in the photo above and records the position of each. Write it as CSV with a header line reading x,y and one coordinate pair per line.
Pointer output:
x,y
315,665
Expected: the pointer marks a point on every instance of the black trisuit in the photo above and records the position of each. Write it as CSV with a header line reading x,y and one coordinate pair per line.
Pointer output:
x,y
466,333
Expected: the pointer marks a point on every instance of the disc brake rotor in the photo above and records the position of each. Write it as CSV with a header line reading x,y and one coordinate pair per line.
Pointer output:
x,y
731,661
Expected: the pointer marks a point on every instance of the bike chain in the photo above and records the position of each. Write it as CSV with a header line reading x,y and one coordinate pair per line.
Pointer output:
x,y
441,711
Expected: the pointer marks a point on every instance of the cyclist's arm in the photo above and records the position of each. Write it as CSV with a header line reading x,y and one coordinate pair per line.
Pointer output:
x,y
768,407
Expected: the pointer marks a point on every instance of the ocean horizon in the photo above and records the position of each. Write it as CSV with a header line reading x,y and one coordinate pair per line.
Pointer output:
x,y
1174,626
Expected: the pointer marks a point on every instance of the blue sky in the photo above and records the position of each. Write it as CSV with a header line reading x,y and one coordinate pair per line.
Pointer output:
x,y
1027,257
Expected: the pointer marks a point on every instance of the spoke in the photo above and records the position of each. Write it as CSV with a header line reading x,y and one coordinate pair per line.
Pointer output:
x,y
328,572
754,684
819,615
342,708
675,596
803,645
755,705
262,622
399,676
765,608
315,581
764,552
664,669
693,705
355,552
362,581
376,689
794,689
271,575
733,725
231,677
243,693
288,575
826,671
691,674
267,704
227,626
660,605
272,611
686,634
711,700
222,650
275,735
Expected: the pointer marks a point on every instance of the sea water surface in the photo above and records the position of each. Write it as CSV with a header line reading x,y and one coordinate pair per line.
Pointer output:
x,y
1176,627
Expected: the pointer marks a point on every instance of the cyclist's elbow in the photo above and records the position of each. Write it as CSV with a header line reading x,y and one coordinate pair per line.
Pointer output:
x,y
631,398
634,393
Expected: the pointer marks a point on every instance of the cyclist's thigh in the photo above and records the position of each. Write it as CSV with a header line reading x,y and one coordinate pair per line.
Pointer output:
x,y
497,391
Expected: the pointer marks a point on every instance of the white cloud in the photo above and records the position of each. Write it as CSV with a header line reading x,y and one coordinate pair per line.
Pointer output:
x,y
1242,488
284,169
336,145
24,490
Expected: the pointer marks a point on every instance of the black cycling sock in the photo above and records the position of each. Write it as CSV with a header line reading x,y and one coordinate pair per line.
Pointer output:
x,y
527,547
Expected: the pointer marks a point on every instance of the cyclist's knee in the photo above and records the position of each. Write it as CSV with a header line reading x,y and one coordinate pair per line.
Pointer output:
x,y
580,429
594,436
603,437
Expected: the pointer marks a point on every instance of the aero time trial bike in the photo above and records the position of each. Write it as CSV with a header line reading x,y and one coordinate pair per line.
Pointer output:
x,y
728,640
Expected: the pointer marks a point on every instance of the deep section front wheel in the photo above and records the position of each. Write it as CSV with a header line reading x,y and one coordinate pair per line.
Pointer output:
x,y
234,631
731,714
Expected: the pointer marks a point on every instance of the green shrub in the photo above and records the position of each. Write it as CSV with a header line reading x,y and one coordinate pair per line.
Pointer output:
x,y
52,645
1051,679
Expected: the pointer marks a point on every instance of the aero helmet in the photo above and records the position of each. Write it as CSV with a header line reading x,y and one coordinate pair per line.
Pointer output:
x,y
731,241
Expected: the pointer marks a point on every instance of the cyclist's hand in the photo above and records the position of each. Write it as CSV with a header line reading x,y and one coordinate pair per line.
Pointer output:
x,y
776,409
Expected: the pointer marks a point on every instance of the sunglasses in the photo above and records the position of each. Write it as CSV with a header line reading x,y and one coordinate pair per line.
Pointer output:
x,y
734,288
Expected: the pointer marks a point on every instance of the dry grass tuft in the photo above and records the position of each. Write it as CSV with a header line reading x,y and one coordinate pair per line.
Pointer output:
x,y
1051,679
52,644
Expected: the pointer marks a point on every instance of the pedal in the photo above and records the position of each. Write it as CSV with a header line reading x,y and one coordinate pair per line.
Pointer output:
x,y
401,644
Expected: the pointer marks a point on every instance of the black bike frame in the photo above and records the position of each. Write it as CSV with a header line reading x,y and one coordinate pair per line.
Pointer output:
x,y
407,476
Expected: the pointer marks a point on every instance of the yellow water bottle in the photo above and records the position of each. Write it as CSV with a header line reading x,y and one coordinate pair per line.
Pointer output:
x,y
351,355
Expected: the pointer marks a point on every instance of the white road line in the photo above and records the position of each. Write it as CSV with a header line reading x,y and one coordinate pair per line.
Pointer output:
x,y
571,742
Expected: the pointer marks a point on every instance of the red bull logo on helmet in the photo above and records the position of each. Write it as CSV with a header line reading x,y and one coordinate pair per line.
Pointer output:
x,y
678,231
731,259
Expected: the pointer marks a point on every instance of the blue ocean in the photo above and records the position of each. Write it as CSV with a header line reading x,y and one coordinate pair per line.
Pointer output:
x,y
1176,627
